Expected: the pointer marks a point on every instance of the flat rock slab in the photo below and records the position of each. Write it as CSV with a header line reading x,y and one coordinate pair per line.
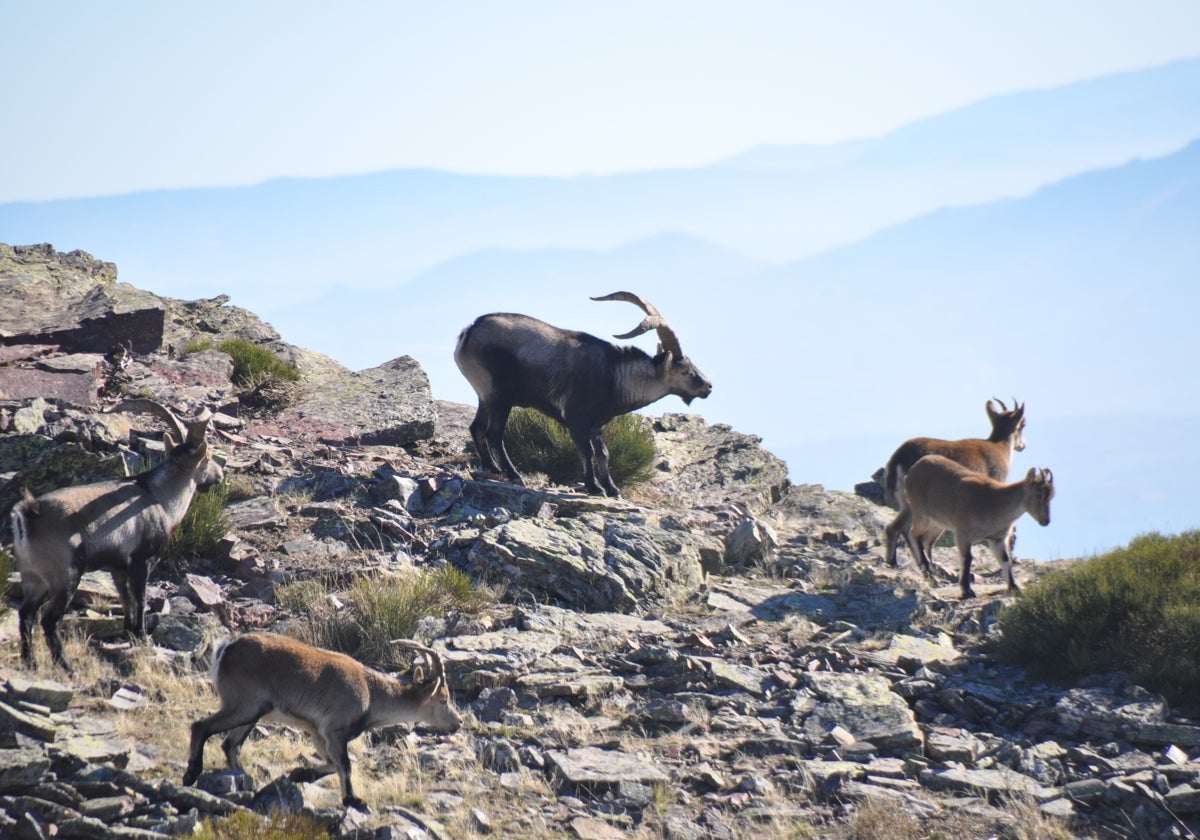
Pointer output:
x,y
589,828
989,783
1099,713
903,646
74,300
574,625
865,706
733,675
592,563
596,770
21,769
590,686
389,405
71,388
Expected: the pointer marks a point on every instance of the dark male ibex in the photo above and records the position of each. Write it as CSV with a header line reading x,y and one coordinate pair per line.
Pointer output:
x,y
122,526
575,378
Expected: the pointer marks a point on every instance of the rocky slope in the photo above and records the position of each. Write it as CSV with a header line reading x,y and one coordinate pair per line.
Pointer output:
x,y
723,655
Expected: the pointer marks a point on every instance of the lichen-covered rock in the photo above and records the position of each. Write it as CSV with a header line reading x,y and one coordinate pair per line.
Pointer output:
x,y
73,300
58,466
389,405
866,706
709,465
590,563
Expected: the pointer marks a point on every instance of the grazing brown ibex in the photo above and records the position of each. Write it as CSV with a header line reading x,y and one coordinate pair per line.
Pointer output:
x,y
945,495
122,526
332,697
990,457
575,378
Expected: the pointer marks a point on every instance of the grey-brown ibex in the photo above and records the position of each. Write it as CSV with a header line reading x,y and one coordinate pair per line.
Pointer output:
x,y
944,495
990,457
122,526
330,696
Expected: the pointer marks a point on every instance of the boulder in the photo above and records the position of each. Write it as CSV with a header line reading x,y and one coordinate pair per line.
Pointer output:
x,y
709,465
74,300
866,706
588,562
386,405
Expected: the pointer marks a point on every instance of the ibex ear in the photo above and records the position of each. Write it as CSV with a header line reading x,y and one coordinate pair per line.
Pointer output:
x,y
991,410
169,441
1032,474
418,674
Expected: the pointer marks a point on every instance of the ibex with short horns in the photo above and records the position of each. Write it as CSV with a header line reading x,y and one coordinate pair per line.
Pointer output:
x,y
990,457
332,697
945,495
575,378
122,526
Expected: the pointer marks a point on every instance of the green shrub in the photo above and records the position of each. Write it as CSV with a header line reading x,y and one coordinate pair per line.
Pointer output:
x,y
247,825
252,363
379,610
202,528
1136,609
536,443
301,597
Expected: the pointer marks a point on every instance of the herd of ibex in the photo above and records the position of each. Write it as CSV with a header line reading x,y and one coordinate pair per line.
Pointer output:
x,y
510,360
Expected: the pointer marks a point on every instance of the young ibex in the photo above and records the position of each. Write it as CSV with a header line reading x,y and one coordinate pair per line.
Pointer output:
x,y
332,697
990,457
945,495
575,378
122,526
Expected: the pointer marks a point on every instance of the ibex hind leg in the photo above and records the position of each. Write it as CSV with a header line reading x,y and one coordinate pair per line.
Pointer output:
x,y
897,528
222,720
320,771
1000,550
600,448
52,616
231,745
964,574
479,435
497,421
32,601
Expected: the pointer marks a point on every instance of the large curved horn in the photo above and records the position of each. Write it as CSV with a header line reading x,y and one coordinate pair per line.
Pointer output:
x,y
145,406
652,321
435,659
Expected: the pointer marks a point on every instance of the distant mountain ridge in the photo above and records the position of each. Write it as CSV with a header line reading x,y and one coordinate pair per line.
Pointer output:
x,y
293,239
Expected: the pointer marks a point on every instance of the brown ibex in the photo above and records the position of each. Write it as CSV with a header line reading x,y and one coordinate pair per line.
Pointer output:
x,y
330,696
121,525
945,495
991,457
575,378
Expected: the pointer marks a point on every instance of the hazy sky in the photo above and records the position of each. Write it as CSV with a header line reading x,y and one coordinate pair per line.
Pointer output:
x,y
104,98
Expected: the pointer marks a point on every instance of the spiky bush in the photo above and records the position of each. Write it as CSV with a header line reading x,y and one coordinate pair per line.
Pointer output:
x,y
246,825
202,528
536,443
1135,609
378,610
252,363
